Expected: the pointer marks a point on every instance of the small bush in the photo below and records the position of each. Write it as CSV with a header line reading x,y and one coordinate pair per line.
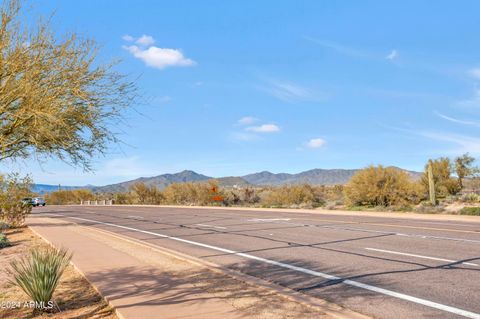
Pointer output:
x,y
470,211
428,208
12,189
38,273
470,198
4,241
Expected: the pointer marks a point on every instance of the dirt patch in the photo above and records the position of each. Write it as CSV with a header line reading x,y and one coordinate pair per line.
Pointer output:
x,y
75,297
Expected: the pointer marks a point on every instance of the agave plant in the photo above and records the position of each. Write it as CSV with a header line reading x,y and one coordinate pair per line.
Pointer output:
x,y
38,273
4,241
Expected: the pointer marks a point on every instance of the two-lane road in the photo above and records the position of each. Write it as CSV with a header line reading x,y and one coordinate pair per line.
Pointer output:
x,y
380,266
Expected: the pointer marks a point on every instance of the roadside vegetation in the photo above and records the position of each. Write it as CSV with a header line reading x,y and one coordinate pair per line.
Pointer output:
x,y
455,184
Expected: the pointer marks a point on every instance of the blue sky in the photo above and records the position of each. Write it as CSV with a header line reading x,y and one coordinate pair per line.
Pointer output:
x,y
285,86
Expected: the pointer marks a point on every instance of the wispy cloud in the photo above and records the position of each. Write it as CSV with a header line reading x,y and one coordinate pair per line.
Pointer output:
x,y
128,38
472,102
290,92
455,143
392,55
156,57
455,120
315,143
463,143
339,48
475,73
247,120
264,128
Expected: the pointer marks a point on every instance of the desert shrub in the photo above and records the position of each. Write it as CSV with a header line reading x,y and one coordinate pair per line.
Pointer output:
x,y
428,208
470,198
38,273
146,194
249,196
12,189
294,196
123,198
69,197
470,211
381,186
231,198
191,193
4,242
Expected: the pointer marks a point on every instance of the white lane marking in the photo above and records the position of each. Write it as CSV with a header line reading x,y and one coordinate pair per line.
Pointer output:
x,y
135,216
449,224
211,226
428,303
420,256
268,219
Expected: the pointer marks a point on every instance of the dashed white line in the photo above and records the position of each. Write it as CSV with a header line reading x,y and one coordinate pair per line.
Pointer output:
x,y
135,216
428,303
420,256
268,219
211,226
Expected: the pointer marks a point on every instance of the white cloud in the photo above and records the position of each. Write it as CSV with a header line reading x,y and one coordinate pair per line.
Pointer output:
x,y
455,120
247,120
475,72
264,128
392,55
315,143
145,40
128,38
159,58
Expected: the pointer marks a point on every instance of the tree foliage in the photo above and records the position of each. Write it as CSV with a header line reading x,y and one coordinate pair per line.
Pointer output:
x,y
445,184
381,186
56,98
464,167
68,197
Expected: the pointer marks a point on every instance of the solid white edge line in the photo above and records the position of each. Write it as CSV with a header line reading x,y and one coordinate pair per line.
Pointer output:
x,y
428,303
419,256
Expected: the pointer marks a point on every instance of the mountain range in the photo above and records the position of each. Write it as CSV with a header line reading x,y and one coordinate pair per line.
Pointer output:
x,y
265,178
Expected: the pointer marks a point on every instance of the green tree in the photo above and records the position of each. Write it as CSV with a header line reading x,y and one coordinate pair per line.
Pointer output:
x,y
57,99
381,186
464,167
445,184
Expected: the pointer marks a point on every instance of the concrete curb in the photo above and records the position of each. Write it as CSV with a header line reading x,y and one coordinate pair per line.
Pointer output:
x,y
324,306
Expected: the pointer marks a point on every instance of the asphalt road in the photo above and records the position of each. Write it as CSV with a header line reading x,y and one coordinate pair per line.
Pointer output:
x,y
382,267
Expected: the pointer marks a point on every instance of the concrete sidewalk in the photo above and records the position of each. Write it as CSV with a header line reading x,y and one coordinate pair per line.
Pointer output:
x,y
140,282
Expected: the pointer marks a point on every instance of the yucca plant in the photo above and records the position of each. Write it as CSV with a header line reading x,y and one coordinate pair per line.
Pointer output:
x,y
4,242
38,273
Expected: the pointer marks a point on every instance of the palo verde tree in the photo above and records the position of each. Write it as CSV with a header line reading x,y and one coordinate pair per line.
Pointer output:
x,y
441,171
56,98
464,167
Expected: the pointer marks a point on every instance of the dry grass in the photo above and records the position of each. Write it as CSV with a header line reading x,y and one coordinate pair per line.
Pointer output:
x,y
74,295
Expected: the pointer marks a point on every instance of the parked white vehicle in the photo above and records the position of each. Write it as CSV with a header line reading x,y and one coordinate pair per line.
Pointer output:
x,y
38,201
